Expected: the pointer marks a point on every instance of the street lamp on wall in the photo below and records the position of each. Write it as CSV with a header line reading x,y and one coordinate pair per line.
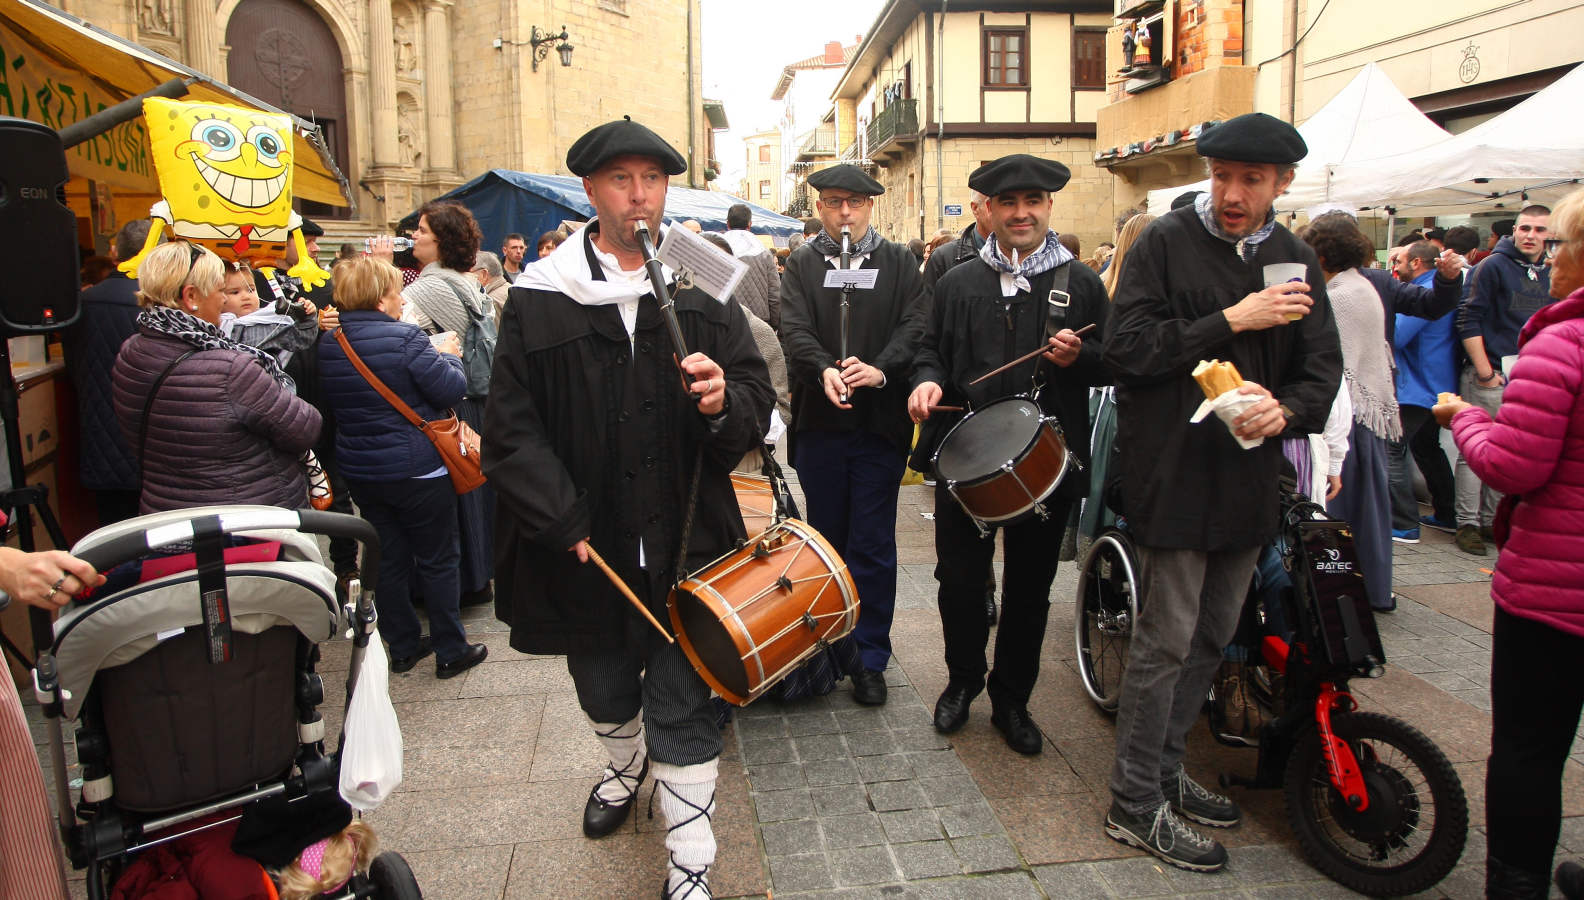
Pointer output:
x,y
541,40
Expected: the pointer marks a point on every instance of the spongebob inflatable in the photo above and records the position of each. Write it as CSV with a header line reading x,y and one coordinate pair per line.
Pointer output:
x,y
225,173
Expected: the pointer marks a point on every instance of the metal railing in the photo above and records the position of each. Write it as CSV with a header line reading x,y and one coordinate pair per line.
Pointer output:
x,y
899,120
821,142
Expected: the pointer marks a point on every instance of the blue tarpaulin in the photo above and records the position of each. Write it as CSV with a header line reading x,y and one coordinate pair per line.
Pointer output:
x,y
504,201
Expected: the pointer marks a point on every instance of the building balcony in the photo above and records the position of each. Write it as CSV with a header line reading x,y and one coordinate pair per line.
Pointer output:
x,y
1154,129
893,131
820,144
851,153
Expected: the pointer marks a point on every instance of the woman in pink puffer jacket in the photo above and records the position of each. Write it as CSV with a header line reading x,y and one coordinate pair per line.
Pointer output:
x,y
1533,451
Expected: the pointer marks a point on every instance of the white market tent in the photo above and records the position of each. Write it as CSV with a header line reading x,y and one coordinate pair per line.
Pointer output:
x,y
1532,153
1368,119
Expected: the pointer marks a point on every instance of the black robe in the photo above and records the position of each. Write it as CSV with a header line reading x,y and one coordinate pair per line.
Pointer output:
x,y
974,330
1189,486
884,328
588,436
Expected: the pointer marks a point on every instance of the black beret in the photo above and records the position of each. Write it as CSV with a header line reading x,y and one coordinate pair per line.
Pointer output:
x,y
623,137
274,830
1254,138
310,228
1186,198
1019,172
846,178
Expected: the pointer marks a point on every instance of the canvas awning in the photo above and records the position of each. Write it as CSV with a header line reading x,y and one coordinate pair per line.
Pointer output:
x,y
1532,153
59,69
1367,119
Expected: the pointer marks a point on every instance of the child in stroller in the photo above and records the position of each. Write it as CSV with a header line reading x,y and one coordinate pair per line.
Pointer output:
x,y
190,673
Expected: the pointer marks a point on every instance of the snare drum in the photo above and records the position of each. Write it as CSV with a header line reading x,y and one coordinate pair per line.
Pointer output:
x,y
1002,461
751,617
756,500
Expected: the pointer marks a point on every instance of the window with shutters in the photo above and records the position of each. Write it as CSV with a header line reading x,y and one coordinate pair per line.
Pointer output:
x,y
764,153
1089,59
1005,58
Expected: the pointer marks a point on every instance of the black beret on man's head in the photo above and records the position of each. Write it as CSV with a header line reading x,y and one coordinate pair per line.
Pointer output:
x,y
310,228
623,137
1019,172
1254,138
846,178
1186,198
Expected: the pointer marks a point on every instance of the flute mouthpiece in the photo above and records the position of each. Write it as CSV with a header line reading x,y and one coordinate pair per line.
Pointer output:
x,y
641,228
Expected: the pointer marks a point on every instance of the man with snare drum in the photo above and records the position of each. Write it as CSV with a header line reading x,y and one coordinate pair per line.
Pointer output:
x,y
1023,291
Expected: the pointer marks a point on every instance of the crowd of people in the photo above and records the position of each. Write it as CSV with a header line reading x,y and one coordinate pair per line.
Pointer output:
x,y
221,380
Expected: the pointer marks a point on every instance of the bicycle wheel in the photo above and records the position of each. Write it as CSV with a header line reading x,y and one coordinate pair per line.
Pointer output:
x,y
1412,832
1109,590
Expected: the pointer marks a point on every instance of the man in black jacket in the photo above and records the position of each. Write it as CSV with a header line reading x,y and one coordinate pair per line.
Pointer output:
x,y
591,441
986,312
849,410
1198,505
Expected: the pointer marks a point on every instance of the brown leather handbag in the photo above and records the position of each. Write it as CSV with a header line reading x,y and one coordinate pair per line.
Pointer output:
x,y
457,442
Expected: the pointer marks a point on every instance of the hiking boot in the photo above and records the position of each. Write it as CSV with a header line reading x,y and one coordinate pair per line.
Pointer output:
x,y
1162,834
1470,541
1405,535
1192,800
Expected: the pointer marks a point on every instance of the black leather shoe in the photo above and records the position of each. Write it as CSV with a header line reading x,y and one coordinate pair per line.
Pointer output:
x,y
485,594
869,688
1019,730
405,663
470,657
951,710
601,818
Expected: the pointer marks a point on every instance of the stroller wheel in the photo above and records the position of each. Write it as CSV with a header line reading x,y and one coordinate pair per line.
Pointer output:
x,y
393,878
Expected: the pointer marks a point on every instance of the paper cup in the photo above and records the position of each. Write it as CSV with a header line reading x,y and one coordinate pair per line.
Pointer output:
x,y
1281,273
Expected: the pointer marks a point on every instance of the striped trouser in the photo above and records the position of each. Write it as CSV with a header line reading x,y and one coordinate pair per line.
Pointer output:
x,y
30,863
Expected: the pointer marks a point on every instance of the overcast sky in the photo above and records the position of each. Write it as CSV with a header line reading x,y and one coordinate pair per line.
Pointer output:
x,y
746,45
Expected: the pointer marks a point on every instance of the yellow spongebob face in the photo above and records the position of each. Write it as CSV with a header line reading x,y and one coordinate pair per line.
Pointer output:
x,y
221,164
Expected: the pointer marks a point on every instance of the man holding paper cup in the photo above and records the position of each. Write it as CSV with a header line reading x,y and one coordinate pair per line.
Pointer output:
x,y
1212,280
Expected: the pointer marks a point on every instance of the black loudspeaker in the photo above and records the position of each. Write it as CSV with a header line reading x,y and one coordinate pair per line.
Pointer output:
x,y
38,233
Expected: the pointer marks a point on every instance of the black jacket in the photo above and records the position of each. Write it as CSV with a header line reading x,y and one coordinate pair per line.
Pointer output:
x,y
973,330
885,325
109,317
588,436
952,254
1191,486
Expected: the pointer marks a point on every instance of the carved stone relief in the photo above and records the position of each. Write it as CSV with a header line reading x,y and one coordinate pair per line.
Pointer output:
x,y
406,46
157,17
409,134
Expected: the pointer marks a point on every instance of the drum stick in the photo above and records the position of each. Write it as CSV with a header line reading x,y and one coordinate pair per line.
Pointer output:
x,y
1028,356
627,591
936,409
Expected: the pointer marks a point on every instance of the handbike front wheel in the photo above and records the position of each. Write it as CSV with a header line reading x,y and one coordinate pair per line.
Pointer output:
x,y
1412,831
1109,589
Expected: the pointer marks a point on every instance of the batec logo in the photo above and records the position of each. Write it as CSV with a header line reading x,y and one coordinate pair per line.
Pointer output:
x,y
1333,564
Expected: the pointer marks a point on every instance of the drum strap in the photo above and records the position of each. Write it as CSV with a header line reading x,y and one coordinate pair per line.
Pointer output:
x,y
687,519
1054,321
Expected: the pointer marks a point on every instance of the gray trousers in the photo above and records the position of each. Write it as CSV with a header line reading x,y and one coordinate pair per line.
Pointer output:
x,y
1476,503
614,685
1192,601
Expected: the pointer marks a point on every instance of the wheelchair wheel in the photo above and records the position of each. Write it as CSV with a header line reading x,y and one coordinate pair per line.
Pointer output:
x,y
1412,831
393,879
1109,592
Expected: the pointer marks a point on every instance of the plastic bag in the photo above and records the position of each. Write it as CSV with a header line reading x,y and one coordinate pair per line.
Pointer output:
x,y
371,742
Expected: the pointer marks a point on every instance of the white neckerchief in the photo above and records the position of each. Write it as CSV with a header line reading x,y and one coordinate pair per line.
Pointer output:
x,y
566,271
743,243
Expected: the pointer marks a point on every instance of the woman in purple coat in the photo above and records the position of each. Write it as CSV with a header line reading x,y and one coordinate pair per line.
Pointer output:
x,y
212,421
1533,452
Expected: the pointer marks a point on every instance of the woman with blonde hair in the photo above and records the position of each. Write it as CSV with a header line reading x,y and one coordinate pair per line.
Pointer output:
x,y
1131,229
397,477
212,421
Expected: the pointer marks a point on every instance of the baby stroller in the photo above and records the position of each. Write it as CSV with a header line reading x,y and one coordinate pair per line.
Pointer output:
x,y
190,674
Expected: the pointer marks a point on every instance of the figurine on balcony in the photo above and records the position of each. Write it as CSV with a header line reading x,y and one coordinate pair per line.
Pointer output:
x,y
1128,45
1144,48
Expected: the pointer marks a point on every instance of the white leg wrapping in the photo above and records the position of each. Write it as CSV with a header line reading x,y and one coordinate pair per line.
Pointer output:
x,y
687,797
624,745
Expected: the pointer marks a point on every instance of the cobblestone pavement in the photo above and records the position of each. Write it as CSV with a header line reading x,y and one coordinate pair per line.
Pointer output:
x,y
827,798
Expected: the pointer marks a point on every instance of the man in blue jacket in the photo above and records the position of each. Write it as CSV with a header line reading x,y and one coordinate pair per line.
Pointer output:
x,y
1505,290
1426,366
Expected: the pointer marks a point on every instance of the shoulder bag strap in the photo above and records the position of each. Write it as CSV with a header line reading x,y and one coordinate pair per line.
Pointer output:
x,y
375,383
148,403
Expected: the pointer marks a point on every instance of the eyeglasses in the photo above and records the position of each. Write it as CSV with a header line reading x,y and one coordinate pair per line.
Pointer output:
x,y
1553,246
838,202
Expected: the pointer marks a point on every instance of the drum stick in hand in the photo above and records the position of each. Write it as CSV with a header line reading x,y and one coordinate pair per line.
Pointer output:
x,y
1028,356
627,592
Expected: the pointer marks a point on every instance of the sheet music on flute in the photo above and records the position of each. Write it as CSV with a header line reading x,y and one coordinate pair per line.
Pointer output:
x,y
712,271
860,279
